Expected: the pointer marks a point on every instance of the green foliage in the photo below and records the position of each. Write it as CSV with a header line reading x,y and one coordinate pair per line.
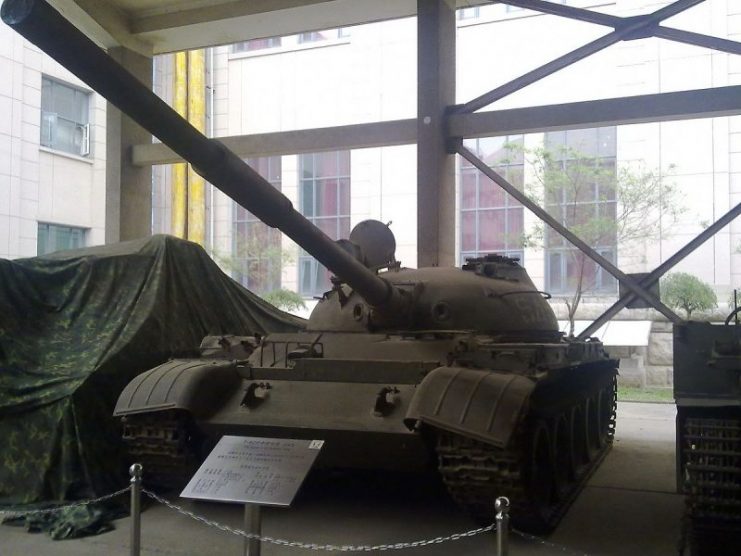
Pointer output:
x,y
568,177
649,394
257,256
734,300
286,300
680,290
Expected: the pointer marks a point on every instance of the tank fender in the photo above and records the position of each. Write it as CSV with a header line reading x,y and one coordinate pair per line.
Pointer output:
x,y
482,404
196,385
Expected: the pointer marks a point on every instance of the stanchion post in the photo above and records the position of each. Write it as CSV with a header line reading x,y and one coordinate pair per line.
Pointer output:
x,y
253,525
501,506
135,471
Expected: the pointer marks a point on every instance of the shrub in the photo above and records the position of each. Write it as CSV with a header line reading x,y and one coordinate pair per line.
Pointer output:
x,y
286,300
680,290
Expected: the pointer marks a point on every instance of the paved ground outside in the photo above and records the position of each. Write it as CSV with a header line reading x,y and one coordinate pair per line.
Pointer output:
x,y
628,508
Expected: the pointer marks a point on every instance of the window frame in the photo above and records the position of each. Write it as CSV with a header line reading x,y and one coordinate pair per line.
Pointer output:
x,y
51,230
603,153
49,120
310,271
255,45
508,206
271,169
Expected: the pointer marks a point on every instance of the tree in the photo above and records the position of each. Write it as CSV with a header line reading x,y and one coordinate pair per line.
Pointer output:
x,y
680,290
256,262
603,204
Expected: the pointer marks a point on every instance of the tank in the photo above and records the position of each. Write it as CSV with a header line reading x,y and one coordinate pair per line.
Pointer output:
x,y
462,369
707,390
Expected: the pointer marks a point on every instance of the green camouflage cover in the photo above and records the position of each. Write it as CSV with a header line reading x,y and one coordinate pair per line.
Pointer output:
x,y
75,328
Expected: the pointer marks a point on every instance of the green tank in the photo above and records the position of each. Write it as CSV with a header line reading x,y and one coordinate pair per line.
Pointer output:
x,y
707,390
463,368
473,376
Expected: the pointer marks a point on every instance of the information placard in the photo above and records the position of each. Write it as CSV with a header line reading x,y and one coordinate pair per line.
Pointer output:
x,y
254,470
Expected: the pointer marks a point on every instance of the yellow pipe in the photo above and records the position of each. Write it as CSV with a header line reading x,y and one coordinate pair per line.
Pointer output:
x,y
197,117
180,171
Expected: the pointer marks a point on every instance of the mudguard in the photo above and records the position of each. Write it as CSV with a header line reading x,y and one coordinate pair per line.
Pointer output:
x,y
482,404
180,384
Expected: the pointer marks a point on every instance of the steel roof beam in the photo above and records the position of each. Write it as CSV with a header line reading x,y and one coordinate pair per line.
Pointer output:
x,y
658,107
358,136
682,105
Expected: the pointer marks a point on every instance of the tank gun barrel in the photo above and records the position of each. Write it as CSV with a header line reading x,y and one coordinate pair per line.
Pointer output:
x,y
41,24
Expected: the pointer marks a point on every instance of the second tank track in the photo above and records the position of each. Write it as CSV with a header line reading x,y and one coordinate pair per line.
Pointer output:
x,y
552,455
712,484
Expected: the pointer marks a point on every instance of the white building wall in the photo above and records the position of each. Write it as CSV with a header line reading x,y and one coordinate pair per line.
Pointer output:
x,y
37,184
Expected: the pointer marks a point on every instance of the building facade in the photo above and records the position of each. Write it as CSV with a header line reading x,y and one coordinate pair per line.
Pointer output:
x,y
52,154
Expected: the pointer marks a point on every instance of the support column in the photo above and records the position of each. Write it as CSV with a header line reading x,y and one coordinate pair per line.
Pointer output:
x,y
435,167
128,187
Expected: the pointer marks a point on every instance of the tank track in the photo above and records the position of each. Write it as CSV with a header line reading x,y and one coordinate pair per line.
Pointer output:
x,y
166,446
712,484
549,460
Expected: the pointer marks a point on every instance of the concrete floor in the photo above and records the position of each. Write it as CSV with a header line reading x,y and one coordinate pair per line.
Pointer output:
x,y
628,508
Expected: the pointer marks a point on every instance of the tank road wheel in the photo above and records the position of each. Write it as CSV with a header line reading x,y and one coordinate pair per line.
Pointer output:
x,y
540,471
593,425
535,511
579,428
563,453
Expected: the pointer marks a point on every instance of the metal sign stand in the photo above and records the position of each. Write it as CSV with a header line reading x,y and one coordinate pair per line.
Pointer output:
x,y
252,525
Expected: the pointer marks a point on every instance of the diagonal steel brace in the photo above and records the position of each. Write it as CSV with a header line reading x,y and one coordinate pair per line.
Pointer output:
x,y
608,20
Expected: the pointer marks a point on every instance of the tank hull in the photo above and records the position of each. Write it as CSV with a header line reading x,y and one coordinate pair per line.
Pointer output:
x,y
401,402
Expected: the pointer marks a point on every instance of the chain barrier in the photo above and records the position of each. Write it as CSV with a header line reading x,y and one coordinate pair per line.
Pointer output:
x,y
295,544
23,513
533,538
317,546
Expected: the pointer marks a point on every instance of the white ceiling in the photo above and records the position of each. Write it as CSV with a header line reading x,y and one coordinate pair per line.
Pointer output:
x,y
158,26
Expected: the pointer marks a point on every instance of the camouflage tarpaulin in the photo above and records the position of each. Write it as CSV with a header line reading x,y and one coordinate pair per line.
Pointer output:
x,y
75,328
